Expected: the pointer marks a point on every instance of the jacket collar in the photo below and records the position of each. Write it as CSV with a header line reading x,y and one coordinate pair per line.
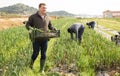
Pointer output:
x,y
39,14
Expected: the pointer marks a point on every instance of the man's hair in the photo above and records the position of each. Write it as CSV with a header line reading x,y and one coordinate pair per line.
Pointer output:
x,y
41,4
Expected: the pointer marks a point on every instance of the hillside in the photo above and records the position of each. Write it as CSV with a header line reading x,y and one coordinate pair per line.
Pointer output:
x,y
18,9
60,13
27,10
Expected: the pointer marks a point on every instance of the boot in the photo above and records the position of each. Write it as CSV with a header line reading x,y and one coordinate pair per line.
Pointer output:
x,y
31,64
42,63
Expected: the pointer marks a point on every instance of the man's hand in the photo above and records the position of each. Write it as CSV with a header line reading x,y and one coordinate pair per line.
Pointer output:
x,y
29,31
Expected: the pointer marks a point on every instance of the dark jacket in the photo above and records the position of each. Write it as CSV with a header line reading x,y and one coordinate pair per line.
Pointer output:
x,y
78,29
75,27
92,23
36,21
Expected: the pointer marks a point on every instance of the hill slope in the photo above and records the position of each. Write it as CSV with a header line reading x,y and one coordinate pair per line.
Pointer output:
x,y
27,10
60,13
18,9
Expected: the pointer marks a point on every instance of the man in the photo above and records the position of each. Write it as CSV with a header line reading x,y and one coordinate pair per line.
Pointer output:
x,y
41,21
78,29
91,24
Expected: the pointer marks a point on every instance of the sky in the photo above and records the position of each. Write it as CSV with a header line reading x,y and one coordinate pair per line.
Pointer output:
x,y
91,7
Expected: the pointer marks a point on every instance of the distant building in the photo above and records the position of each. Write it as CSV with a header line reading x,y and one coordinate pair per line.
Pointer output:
x,y
111,14
53,17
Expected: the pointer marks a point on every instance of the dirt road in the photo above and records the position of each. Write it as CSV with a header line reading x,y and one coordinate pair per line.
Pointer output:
x,y
105,32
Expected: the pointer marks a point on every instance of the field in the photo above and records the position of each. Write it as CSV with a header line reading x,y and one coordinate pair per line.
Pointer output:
x,y
64,56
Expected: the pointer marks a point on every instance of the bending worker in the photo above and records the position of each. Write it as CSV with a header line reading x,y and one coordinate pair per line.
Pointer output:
x,y
91,24
78,30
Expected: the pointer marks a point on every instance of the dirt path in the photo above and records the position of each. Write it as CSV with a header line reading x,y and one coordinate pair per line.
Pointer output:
x,y
105,32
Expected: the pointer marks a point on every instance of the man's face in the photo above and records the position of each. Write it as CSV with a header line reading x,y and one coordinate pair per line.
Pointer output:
x,y
42,9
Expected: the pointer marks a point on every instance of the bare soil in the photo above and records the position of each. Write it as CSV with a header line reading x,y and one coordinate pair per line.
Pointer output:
x,y
11,22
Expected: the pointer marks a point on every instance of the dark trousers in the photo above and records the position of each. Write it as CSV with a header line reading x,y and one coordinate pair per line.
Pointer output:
x,y
39,46
80,32
92,26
